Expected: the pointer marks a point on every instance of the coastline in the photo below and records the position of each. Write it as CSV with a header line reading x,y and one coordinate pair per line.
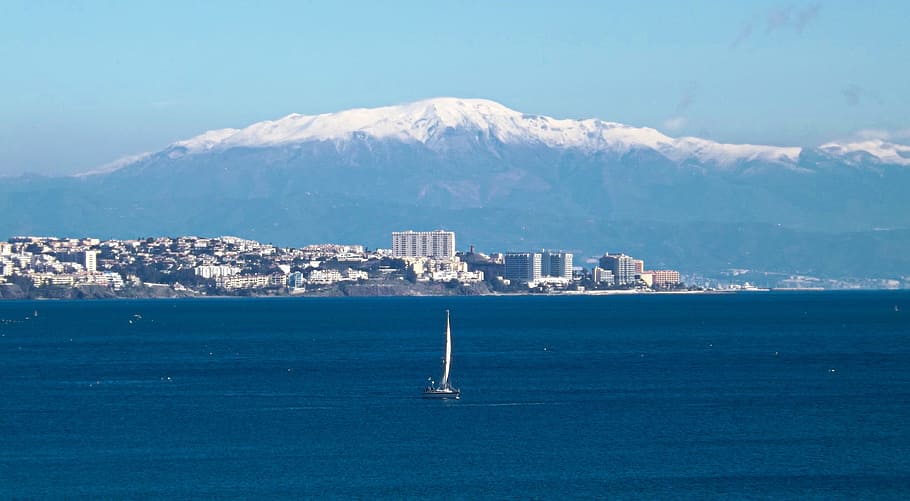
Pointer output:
x,y
420,294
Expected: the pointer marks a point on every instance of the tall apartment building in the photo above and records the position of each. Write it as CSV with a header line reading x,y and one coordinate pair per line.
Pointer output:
x,y
91,261
556,264
438,244
523,266
622,267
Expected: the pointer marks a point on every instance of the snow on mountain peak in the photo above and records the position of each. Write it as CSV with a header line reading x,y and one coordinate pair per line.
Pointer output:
x,y
413,122
884,152
426,120
207,140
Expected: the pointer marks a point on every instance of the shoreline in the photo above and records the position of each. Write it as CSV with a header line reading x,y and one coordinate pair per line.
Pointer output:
x,y
486,294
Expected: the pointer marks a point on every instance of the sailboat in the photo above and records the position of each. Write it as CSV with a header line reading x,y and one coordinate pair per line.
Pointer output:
x,y
444,389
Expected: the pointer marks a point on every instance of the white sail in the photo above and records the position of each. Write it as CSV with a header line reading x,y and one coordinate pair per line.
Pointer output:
x,y
444,389
448,360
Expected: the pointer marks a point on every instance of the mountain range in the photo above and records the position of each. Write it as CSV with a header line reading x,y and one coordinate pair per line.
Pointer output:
x,y
503,180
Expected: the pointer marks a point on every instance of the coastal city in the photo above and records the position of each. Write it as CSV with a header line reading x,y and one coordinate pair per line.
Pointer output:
x,y
418,263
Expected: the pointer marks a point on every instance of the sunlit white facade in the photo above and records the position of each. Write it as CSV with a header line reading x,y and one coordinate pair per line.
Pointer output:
x,y
438,244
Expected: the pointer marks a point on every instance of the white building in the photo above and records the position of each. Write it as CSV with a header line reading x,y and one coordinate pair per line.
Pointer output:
x,y
556,264
243,281
324,277
603,276
464,277
215,271
356,274
108,279
91,261
622,267
439,244
523,267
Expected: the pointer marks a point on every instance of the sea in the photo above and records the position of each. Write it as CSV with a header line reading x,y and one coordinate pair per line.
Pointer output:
x,y
758,395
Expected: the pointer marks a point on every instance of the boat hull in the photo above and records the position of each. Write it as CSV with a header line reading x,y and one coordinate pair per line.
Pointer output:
x,y
432,393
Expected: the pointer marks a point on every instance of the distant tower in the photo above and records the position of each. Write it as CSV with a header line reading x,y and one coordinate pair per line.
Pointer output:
x,y
622,267
438,244
557,264
523,266
91,261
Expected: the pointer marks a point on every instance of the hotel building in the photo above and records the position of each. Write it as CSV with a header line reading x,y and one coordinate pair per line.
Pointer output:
x,y
523,266
437,244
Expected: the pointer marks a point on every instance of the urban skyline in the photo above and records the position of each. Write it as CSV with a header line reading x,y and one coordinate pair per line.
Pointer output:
x,y
220,265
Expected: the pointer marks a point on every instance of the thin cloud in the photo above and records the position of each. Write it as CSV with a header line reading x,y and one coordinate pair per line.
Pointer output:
x,y
855,95
779,19
852,94
744,33
686,100
688,97
167,103
897,135
806,16
674,124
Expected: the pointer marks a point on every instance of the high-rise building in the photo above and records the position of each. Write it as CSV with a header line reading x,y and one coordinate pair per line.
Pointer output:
x,y
438,244
91,261
523,266
556,264
622,267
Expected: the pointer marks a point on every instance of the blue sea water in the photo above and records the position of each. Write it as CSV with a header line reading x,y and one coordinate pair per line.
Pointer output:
x,y
759,395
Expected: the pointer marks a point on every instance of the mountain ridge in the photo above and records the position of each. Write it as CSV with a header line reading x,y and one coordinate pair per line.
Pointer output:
x,y
426,120
474,167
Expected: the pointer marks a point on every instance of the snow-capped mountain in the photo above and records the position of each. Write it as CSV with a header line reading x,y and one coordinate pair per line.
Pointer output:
x,y
872,150
478,154
428,121
502,179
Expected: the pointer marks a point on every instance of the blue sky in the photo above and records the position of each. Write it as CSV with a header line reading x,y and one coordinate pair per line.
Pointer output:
x,y
83,83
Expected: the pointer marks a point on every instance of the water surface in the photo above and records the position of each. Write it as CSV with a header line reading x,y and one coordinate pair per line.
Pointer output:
x,y
647,396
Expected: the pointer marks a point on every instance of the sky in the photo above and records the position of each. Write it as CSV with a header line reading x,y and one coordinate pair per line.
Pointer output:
x,y
85,83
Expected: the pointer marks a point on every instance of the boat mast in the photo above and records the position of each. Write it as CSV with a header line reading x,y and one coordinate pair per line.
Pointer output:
x,y
448,360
